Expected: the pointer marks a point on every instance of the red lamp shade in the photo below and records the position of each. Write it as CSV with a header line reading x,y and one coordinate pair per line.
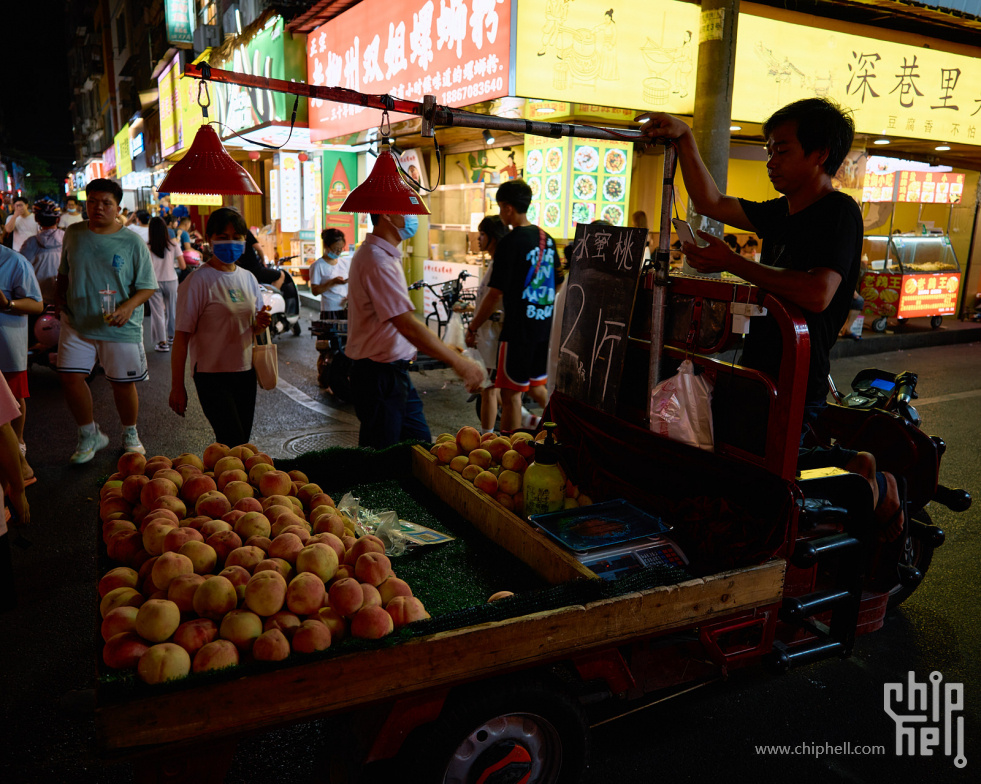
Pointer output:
x,y
254,155
303,157
385,192
207,168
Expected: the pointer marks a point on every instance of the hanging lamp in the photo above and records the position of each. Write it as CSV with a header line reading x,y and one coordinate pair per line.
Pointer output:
x,y
207,167
385,191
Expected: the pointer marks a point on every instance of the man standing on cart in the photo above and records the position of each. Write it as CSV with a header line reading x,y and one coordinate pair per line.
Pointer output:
x,y
812,246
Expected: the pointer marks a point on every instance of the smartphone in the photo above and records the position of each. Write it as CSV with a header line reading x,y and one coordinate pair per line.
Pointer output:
x,y
685,234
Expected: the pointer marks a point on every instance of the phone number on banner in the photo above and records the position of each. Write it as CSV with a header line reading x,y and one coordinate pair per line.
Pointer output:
x,y
472,90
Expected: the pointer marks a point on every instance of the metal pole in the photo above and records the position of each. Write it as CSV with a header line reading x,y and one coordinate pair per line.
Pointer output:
x,y
713,100
662,261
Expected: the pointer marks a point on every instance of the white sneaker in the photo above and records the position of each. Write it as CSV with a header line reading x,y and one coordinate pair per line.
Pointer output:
x,y
131,441
88,445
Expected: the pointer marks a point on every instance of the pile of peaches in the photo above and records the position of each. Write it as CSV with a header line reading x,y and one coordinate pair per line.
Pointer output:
x,y
496,464
226,559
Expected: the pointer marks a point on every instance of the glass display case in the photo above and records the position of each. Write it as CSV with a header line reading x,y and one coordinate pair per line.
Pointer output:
x,y
909,276
456,211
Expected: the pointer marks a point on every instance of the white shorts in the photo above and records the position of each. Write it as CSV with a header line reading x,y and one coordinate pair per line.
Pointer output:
x,y
121,361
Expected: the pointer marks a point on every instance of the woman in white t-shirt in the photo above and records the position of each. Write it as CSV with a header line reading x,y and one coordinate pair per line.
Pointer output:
x,y
165,253
491,231
219,309
328,277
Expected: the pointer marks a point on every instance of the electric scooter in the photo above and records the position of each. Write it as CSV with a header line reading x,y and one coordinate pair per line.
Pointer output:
x,y
283,303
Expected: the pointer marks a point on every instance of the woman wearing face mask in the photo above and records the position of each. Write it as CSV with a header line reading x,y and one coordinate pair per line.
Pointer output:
x,y
218,311
491,230
383,335
328,275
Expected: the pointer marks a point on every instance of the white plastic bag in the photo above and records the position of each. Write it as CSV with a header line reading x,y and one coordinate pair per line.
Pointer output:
x,y
474,354
454,337
681,408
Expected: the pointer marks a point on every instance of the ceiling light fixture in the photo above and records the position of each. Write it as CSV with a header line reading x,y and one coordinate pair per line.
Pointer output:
x,y
733,128
942,147
488,137
881,141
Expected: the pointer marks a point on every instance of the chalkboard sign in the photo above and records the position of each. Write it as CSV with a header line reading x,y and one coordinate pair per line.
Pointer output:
x,y
599,298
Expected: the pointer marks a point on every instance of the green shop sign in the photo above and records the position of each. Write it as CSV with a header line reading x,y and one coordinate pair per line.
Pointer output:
x,y
272,53
180,21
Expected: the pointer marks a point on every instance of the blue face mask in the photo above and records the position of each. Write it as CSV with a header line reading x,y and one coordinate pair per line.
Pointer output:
x,y
332,255
228,251
411,227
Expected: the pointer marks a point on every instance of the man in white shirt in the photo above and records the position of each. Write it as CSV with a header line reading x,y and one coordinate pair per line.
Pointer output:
x,y
21,223
141,225
72,213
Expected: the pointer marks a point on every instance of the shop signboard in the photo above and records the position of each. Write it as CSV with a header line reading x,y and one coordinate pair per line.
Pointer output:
x,y
640,54
191,116
196,199
930,187
340,170
270,53
273,195
169,106
180,21
457,50
909,296
289,192
577,181
879,187
124,164
311,190
109,160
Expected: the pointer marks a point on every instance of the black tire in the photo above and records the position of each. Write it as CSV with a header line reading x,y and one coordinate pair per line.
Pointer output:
x,y
296,329
916,553
936,322
516,731
880,324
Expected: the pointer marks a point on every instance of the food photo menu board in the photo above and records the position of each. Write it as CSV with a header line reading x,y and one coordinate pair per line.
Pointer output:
x,y
575,181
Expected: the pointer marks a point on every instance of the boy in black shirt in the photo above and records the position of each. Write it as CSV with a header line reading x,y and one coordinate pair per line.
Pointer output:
x,y
524,277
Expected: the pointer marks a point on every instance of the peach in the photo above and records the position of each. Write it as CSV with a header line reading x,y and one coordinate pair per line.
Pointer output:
x,y
120,577
366,544
157,619
393,587
170,474
467,439
480,458
212,454
284,620
494,597
512,460
132,487
280,499
131,463
182,589
444,437
331,541
248,504
274,512
161,514
203,556
320,499
215,597
122,651
225,543
331,524
308,491
372,623
298,528
311,636
168,567
259,459
334,621
241,628
139,512
373,568
497,448
486,437
176,538
486,482
471,472
257,471
298,476
252,524
349,542
372,598
248,557
305,593
397,610
414,610
196,486
215,655
231,475
213,527
122,619
188,459
509,482
275,565
114,504
154,535
570,503
318,559
232,516
168,503
212,503
187,471
275,483
155,489
116,484
446,451
194,634
163,662
228,463
143,581
239,576
241,452
125,546
271,645
286,546
459,462
295,488
236,490
505,500
344,571
525,448
346,596
265,593
262,542
584,500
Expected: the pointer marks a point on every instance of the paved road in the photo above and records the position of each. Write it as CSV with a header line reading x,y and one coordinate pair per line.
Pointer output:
x,y
46,659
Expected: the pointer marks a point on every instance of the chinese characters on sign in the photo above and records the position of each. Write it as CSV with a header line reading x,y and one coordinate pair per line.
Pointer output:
x,y
879,187
457,50
289,191
910,296
930,187
180,21
167,88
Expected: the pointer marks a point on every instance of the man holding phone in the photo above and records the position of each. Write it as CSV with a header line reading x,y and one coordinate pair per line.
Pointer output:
x,y
812,244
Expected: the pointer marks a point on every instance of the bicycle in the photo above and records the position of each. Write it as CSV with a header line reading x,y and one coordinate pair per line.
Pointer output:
x,y
453,297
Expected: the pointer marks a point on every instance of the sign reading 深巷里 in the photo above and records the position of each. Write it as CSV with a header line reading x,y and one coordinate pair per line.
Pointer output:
x,y
457,50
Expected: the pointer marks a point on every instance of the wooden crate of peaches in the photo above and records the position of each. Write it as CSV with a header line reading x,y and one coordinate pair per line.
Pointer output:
x,y
226,558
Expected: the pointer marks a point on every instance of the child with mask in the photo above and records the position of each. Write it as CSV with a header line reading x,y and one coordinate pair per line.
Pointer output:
x,y
219,308
383,335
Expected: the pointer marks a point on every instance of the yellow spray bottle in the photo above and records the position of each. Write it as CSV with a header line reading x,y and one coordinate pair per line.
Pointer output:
x,y
544,485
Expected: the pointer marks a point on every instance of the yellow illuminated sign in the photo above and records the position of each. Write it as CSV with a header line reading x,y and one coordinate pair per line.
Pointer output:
x,y
124,164
199,199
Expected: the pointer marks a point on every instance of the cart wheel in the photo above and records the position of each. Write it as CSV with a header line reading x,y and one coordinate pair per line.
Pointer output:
x,y
518,732
936,321
880,324
918,554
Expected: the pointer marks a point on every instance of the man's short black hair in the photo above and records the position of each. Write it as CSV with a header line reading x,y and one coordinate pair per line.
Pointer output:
x,y
821,125
331,236
71,199
103,185
143,216
517,193
21,198
223,217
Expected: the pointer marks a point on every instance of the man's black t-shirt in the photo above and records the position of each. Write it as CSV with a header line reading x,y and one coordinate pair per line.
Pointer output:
x,y
528,284
828,234
250,261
